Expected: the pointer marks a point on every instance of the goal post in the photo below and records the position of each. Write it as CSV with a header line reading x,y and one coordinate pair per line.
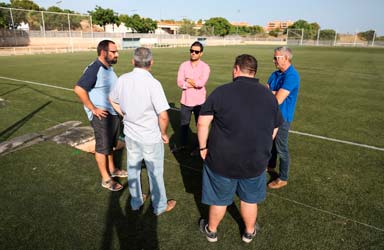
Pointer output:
x,y
295,36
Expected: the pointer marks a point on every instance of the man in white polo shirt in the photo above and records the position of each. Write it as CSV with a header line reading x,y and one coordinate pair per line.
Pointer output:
x,y
140,99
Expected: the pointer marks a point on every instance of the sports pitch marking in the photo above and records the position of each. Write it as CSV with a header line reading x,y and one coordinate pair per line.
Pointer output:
x,y
291,131
295,132
298,203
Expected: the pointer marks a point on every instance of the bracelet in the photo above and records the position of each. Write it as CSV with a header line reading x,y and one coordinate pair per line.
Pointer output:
x,y
201,149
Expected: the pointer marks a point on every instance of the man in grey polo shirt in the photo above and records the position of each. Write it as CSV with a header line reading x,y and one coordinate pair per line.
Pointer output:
x,y
140,99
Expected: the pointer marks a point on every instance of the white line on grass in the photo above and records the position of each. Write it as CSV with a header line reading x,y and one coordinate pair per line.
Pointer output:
x,y
296,202
337,140
295,132
327,212
36,83
291,131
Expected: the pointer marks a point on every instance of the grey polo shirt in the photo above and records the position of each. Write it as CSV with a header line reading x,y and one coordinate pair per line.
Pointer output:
x,y
141,98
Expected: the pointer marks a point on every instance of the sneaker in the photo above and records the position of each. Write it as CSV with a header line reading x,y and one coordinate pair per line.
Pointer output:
x,y
248,237
211,236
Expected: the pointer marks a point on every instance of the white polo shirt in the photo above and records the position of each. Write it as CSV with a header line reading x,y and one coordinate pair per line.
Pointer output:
x,y
141,98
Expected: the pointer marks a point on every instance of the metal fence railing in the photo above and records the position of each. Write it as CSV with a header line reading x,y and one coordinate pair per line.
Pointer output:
x,y
29,31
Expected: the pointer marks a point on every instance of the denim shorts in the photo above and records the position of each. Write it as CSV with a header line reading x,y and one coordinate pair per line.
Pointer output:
x,y
220,191
107,131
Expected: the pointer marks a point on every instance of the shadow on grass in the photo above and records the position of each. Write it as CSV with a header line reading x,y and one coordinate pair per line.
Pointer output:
x,y
18,87
134,229
190,166
8,132
191,170
13,90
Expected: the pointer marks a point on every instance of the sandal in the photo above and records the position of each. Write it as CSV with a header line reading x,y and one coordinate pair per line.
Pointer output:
x,y
119,173
111,185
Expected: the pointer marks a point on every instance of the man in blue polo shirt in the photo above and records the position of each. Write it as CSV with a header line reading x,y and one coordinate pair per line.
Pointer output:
x,y
285,84
93,90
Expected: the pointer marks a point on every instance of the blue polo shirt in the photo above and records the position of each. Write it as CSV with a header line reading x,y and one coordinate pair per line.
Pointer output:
x,y
288,80
98,81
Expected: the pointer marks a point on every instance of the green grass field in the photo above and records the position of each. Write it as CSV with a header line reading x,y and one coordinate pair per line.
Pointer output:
x,y
51,195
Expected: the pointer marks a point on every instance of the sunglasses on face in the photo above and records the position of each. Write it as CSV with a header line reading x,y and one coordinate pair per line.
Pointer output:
x,y
194,51
275,58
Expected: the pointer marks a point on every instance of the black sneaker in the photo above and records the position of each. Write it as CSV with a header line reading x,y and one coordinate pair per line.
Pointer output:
x,y
211,236
248,237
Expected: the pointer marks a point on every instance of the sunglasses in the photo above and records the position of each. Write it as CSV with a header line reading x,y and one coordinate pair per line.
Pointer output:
x,y
194,51
277,57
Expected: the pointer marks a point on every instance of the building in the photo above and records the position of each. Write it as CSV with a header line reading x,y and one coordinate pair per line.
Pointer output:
x,y
278,25
172,27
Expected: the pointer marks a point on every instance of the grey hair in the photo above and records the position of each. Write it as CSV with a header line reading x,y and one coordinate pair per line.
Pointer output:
x,y
142,57
285,51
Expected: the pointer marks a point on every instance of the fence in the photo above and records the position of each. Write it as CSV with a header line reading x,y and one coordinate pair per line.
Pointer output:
x,y
50,32
328,38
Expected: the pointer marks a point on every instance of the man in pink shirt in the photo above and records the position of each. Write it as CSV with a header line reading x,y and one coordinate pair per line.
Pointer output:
x,y
191,78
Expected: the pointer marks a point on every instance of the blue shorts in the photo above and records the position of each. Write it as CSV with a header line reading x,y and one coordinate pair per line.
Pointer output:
x,y
220,191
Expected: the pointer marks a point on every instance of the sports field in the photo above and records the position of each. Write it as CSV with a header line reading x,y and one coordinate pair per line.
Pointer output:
x,y
51,196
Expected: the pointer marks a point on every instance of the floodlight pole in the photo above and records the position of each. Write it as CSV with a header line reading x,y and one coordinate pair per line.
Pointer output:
x,y
354,40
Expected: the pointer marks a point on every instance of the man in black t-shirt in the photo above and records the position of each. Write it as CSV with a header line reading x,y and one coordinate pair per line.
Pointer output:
x,y
245,117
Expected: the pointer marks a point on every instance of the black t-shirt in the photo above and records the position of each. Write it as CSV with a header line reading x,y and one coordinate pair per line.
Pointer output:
x,y
240,140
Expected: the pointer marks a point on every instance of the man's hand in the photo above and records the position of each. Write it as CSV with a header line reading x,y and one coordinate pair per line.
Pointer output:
x,y
165,138
191,82
99,113
203,153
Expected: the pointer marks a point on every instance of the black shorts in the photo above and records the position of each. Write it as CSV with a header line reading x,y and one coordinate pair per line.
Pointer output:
x,y
107,131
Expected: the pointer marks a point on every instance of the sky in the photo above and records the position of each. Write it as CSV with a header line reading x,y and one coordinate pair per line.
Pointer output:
x,y
344,16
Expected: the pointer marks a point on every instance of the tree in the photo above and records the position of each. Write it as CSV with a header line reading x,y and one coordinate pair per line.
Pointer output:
x,y
139,24
24,4
218,25
103,17
33,17
4,15
187,27
366,35
327,34
58,20
256,29
275,32
310,29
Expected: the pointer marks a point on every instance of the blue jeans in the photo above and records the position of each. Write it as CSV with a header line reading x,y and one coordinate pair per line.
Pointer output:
x,y
185,119
280,147
153,155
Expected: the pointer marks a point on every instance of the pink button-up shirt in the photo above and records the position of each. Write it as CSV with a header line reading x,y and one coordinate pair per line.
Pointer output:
x,y
199,73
